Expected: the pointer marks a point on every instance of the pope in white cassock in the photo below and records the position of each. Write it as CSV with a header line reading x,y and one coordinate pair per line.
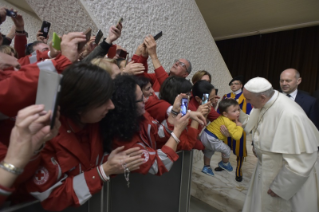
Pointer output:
x,y
286,143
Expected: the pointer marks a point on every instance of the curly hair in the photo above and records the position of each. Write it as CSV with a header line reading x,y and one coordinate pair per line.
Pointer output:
x,y
122,122
173,86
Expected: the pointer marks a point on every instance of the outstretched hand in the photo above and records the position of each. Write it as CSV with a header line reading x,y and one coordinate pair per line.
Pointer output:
x,y
119,159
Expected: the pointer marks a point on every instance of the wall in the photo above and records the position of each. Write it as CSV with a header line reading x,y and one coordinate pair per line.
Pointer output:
x,y
31,22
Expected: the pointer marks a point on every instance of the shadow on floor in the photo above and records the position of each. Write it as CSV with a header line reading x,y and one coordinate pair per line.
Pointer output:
x,y
199,206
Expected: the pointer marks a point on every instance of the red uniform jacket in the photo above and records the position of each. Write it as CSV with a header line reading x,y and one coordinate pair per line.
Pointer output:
x,y
156,78
67,175
36,56
157,161
20,42
19,88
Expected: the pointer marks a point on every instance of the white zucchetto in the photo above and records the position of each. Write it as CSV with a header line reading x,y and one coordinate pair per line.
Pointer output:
x,y
257,85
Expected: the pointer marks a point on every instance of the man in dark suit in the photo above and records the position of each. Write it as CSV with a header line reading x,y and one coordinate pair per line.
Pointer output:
x,y
289,81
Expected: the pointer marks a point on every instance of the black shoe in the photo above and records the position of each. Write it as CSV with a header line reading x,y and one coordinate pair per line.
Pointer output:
x,y
218,169
239,178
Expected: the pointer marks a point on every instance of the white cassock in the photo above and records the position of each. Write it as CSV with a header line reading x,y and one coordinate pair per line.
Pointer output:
x,y
286,143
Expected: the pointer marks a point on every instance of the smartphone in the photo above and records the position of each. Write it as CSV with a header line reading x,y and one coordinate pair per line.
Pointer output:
x,y
184,106
48,92
158,35
98,36
11,13
56,41
120,21
121,53
45,28
88,36
205,98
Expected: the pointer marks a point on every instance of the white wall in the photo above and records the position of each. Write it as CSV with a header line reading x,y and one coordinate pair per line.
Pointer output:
x,y
32,24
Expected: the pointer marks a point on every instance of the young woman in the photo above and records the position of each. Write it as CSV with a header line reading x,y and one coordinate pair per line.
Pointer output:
x,y
130,125
74,165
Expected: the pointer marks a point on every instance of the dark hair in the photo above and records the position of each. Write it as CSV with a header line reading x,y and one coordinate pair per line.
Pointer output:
x,y
142,81
29,47
83,86
225,103
122,122
201,87
173,86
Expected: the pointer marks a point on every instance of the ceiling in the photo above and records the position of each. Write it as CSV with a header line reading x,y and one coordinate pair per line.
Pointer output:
x,y
232,18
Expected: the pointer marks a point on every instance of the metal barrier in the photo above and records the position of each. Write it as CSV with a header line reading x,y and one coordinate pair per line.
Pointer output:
x,y
169,192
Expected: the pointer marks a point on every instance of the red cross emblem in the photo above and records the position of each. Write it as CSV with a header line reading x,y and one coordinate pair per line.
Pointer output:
x,y
41,176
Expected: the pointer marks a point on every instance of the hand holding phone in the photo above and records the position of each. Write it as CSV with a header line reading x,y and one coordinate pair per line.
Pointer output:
x,y
87,34
119,22
11,13
205,98
45,28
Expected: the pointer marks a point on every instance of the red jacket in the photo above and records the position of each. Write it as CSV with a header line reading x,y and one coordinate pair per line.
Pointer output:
x,y
36,56
19,88
68,175
157,160
20,42
156,78
157,108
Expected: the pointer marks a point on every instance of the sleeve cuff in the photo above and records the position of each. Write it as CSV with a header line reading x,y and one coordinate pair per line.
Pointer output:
x,y
4,191
170,153
287,183
93,180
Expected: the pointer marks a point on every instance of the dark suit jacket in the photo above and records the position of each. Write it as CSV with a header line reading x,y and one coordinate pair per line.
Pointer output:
x,y
310,105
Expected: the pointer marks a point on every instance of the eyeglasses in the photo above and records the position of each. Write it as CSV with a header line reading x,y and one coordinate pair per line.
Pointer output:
x,y
141,100
179,63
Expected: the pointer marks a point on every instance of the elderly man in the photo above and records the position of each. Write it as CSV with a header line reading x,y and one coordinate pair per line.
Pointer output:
x,y
181,67
239,146
285,142
289,81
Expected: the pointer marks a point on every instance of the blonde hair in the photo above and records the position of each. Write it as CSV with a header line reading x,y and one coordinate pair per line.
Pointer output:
x,y
104,63
8,50
199,74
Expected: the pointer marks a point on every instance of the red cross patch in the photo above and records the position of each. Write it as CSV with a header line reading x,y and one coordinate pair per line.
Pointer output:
x,y
146,155
41,176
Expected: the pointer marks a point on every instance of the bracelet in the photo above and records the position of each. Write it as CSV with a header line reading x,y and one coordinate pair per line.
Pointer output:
x,y
11,168
174,112
102,174
23,32
175,138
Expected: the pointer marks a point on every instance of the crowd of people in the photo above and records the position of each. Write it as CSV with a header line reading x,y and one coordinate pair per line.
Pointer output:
x,y
114,117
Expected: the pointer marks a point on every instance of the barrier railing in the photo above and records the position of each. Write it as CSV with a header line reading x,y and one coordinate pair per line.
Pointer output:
x,y
169,192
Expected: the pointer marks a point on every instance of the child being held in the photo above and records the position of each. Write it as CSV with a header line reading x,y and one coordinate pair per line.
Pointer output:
x,y
212,138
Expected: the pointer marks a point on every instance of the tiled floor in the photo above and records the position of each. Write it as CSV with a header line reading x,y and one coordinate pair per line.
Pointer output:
x,y
199,206
222,191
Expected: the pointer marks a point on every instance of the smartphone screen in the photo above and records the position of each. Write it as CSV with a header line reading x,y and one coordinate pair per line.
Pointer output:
x,y
184,106
121,53
45,28
98,36
158,35
88,36
205,98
